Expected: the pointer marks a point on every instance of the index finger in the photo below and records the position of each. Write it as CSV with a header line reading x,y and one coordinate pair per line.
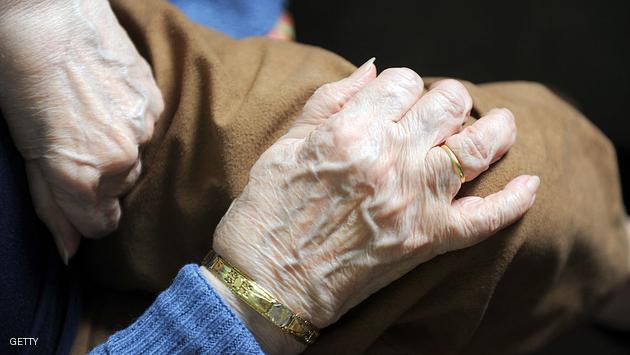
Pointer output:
x,y
388,97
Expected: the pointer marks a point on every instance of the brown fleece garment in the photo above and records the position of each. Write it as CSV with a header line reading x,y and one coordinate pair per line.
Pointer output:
x,y
228,100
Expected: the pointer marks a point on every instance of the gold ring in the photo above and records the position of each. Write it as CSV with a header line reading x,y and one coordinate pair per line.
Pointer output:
x,y
456,164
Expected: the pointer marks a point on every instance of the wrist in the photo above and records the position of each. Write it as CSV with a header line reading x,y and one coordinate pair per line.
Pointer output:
x,y
271,338
288,283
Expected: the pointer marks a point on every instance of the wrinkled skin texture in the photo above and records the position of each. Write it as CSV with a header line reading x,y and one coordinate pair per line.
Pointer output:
x,y
358,192
79,101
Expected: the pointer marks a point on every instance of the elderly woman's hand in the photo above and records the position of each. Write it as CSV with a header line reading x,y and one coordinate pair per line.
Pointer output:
x,y
79,100
359,192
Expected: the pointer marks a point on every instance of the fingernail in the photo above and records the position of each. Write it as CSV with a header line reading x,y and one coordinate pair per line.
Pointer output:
x,y
363,68
63,251
533,183
64,256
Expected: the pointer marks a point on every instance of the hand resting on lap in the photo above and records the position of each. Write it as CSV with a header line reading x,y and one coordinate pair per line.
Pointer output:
x,y
359,192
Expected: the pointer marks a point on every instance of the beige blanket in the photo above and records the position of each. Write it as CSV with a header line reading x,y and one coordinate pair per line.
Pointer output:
x,y
227,101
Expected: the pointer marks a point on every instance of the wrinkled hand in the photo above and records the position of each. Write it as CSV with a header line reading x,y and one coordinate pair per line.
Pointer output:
x,y
358,192
79,101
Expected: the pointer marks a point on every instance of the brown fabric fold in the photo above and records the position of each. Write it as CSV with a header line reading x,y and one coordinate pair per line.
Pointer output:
x,y
228,100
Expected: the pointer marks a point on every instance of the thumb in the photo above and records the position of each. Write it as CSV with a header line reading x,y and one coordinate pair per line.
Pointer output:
x,y
330,98
66,237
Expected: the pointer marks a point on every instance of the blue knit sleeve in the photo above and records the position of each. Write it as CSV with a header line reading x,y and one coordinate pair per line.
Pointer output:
x,y
188,317
237,18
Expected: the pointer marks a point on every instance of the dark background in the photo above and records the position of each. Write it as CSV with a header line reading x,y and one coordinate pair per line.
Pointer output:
x,y
578,48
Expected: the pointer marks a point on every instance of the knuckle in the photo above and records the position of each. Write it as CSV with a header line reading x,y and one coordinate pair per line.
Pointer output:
x,y
397,87
326,100
517,204
476,144
80,182
123,157
404,77
335,140
454,97
494,221
325,91
345,135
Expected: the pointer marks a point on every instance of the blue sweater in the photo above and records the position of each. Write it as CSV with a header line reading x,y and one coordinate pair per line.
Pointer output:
x,y
188,317
237,18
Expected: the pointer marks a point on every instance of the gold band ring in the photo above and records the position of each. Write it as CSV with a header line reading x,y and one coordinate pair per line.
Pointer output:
x,y
456,164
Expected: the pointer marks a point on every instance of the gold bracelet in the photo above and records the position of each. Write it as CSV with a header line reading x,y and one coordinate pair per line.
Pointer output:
x,y
260,300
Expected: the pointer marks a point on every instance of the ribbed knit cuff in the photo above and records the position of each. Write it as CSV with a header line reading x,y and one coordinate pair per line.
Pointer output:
x,y
188,317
